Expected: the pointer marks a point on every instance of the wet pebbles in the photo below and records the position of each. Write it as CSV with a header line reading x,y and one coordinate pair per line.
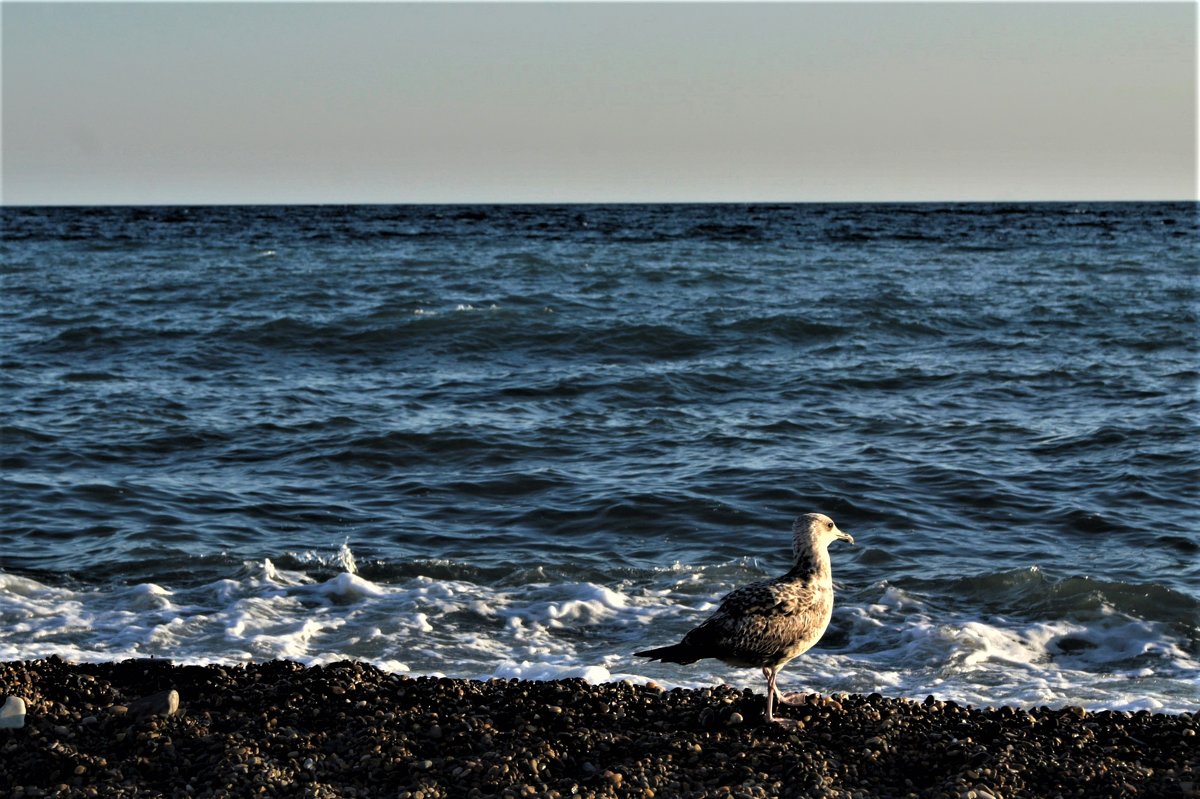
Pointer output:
x,y
349,730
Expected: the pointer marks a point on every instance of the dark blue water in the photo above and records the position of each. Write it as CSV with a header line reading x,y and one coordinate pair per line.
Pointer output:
x,y
519,440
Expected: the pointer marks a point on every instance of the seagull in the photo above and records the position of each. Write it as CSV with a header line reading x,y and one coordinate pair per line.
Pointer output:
x,y
766,624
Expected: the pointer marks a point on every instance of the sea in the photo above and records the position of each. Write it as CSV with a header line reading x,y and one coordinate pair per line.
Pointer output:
x,y
508,441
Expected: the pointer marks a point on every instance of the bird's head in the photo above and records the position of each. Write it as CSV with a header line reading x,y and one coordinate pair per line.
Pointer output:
x,y
813,532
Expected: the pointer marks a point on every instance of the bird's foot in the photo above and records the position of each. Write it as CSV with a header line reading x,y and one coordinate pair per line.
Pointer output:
x,y
786,722
792,698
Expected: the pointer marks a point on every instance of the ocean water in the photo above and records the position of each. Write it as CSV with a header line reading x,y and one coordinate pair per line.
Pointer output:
x,y
526,441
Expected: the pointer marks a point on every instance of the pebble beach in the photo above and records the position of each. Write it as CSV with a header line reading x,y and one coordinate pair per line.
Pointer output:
x,y
278,728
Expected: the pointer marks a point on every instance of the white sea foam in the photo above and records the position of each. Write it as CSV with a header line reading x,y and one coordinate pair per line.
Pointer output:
x,y
1112,660
893,642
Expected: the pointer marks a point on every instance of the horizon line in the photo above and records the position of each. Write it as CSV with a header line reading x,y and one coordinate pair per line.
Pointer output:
x,y
459,203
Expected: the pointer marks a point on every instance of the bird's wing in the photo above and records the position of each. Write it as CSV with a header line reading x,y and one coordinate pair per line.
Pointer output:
x,y
757,623
768,598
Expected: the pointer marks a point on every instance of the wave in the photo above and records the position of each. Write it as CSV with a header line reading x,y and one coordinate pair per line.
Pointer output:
x,y
1080,642
573,397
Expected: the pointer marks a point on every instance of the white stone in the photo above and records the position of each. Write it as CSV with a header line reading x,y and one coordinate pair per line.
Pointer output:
x,y
12,715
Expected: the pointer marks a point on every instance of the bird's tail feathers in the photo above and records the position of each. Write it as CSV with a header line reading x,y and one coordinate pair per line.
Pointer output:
x,y
675,653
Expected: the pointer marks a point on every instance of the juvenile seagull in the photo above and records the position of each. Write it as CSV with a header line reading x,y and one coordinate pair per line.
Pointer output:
x,y
766,624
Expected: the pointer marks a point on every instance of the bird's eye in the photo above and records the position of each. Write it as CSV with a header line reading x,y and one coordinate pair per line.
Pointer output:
x,y
829,525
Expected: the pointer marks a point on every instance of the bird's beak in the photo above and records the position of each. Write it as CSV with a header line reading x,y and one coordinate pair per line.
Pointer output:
x,y
844,536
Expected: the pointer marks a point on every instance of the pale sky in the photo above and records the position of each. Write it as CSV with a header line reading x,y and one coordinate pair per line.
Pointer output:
x,y
146,103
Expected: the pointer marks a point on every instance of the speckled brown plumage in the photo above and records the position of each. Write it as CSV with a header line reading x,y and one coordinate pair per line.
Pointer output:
x,y
766,624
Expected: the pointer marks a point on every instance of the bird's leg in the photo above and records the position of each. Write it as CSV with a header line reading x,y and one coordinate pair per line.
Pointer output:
x,y
774,695
769,673
773,692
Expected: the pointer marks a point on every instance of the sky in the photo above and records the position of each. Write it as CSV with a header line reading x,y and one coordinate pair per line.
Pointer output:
x,y
194,102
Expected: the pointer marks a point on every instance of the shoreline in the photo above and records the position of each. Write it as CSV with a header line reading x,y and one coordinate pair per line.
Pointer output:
x,y
278,728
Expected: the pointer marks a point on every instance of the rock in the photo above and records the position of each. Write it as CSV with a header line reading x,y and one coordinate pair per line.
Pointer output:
x,y
12,715
163,703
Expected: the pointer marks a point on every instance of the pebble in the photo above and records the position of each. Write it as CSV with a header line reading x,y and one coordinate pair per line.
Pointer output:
x,y
12,714
163,703
271,729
